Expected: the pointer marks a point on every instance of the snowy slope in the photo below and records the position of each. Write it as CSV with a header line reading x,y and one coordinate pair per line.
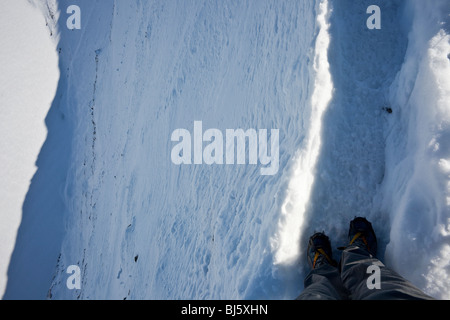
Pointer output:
x,y
140,226
190,225
28,79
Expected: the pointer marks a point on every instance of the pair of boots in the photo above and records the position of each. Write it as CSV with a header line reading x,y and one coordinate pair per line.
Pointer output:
x,y
359,275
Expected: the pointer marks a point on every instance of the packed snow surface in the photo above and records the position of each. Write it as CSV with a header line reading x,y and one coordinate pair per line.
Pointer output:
x,y
363,118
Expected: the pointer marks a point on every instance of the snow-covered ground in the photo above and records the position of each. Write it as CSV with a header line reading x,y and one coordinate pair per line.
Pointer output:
x,y
28,79
108,198
415,192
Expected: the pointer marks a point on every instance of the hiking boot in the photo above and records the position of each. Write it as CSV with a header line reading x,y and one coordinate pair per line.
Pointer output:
x,y
319,251
361,234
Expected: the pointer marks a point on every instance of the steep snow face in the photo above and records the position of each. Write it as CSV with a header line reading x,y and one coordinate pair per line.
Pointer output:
x,y
140,226
28,80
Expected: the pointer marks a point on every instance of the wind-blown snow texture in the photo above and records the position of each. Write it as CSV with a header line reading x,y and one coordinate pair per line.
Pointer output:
x,y
139,226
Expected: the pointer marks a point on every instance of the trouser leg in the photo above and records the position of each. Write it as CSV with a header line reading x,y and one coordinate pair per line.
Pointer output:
x,y
323,283
355,272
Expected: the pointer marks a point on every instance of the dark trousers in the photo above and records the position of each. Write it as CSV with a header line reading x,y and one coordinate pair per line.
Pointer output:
x,y
359,276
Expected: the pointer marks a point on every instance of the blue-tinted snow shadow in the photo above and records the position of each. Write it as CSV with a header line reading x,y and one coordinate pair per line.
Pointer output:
x,y
41,230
